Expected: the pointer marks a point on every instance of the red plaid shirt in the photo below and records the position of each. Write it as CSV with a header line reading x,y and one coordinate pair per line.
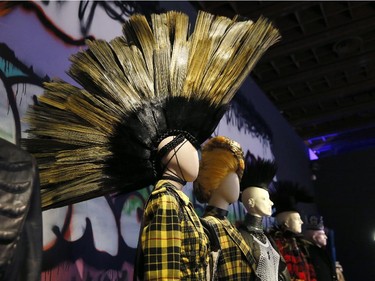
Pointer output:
x,y
295,256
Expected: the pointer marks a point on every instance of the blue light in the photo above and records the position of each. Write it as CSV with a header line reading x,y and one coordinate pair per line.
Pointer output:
x,y
312,155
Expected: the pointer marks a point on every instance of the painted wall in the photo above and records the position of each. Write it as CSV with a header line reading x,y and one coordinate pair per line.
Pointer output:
x,y
96,239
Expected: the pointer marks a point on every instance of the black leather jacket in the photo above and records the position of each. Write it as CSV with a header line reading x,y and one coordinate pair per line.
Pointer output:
x,y
20,215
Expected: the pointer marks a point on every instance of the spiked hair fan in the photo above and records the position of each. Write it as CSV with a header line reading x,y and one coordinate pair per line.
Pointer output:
x,y
287,195
154,81
258,172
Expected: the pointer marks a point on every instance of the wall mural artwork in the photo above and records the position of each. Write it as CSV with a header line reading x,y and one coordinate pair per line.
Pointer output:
x,y
19,86
94,239
85,17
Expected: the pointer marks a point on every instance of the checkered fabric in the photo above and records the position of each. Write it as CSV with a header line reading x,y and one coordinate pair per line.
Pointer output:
x,y
235,262
173,241
300,269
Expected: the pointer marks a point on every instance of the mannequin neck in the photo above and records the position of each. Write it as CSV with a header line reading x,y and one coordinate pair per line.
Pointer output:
x,y
252,212
215,211
176,184
174,179
254,223
290,234
218,202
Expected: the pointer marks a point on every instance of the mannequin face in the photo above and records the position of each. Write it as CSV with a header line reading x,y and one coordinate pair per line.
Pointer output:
x,y
291,221
257,201
320,238
229,188
182,160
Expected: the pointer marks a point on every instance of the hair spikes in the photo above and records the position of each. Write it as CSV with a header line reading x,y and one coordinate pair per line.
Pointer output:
x,y
154,81
258,172
288,194
295,190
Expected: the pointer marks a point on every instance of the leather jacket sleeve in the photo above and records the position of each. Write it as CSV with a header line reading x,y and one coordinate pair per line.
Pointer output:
x,y
20,215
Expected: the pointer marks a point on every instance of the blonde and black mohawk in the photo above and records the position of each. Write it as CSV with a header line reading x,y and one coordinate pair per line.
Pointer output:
x,y
155,81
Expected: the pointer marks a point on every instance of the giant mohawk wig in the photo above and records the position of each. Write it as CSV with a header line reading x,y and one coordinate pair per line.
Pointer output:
x,y
154,81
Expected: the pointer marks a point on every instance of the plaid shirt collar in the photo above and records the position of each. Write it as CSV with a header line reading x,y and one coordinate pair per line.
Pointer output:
x,y
215,212
162,185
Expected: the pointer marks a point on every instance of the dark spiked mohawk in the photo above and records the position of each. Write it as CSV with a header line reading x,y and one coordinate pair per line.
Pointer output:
x,y
258,172
288,194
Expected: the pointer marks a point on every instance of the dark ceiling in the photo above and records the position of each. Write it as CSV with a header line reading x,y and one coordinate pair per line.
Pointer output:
x,y
321,75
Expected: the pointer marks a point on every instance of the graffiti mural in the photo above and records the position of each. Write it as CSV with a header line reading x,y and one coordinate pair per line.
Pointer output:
x,y
94,239
85,17
19,86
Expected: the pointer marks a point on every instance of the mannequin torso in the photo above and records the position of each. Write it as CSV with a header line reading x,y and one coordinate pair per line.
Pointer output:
x,y
235,262
218,184
319,256
288,239
169,215
269,264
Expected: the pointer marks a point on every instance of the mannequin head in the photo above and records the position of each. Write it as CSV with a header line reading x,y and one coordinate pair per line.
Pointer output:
x,y
318,237
257,201
257,177
290,220
226,193
221,168
181,161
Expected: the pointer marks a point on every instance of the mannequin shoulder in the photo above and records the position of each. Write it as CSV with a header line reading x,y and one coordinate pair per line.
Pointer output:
x,y
163,198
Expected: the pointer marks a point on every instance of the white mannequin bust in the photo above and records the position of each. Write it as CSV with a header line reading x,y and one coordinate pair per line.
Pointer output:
x,y
257,201
226,193
182,161
290,220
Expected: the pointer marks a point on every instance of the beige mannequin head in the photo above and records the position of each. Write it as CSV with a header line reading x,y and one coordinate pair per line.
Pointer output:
x,y
318,237
290,220
226,193
221,167
182,161
257,201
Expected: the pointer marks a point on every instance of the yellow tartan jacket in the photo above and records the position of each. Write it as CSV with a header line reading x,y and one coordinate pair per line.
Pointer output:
x,y
236,261
174,245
